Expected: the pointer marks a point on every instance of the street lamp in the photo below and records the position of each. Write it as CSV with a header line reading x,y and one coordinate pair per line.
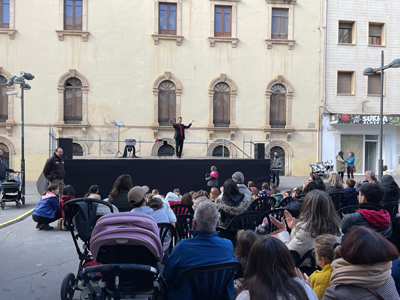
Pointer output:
x,y
24,86
371,71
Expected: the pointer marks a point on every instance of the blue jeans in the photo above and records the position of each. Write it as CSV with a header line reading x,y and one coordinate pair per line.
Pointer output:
x,y
275,174
396,273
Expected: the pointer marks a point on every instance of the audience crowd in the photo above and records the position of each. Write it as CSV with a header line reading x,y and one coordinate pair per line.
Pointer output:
x,y
316,251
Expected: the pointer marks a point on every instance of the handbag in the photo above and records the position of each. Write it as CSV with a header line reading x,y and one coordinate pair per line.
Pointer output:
x,y
354,169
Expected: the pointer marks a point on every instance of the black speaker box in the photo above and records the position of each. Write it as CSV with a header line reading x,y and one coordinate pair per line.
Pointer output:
x,y
259,151
66,145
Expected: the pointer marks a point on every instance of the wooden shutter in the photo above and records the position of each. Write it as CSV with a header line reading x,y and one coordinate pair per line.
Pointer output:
x,y
375,30
374,84
344,83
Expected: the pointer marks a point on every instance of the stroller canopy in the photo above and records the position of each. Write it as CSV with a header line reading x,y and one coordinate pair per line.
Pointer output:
x,y
127,229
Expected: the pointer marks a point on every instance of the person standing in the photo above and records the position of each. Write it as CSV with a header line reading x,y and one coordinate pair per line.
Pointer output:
x,y
54,169
3,169
350,165
340,164
179,135
276,167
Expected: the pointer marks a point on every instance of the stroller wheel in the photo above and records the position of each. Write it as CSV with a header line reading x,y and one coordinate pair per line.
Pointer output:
x,y
18,204
68,287
23,200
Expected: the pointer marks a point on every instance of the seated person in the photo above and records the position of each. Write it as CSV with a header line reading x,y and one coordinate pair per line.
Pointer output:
x,y
336,184
265,191
172,198
48,210
254,194
348,191
119,194
370,213
93,192
295,206
196,251
369,177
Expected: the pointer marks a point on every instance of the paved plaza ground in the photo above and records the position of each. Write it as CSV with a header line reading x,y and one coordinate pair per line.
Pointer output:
x,y
33,263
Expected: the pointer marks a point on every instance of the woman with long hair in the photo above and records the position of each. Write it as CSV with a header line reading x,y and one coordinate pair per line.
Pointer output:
x,y
119,194
350,165
340,164
270,274
93,192
362,267
317,216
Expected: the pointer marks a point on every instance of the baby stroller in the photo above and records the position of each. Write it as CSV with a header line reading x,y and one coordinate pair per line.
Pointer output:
x,y
129,248
80,219
11,191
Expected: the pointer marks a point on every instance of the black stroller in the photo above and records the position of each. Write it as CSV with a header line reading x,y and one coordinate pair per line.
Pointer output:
x,y
80,219
11,191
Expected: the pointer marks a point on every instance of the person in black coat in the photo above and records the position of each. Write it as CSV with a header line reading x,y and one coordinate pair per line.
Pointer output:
x,y
54,169
3,169
390,188
179,135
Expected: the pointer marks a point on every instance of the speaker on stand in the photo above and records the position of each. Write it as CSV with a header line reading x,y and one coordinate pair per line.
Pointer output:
x,y
259,151
66,145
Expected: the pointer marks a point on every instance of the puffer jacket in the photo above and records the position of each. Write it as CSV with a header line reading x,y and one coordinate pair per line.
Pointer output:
x,y
295,207
369,215
212,179
229,207
340,164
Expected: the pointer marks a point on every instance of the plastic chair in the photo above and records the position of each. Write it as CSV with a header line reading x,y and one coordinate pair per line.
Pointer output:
x,y
208,282
182,209
347,210
336,199
277,214
165,229
392,208
183,225
298,261
263,204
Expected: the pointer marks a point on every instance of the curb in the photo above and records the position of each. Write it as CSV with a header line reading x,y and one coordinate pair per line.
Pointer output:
x,y
17,219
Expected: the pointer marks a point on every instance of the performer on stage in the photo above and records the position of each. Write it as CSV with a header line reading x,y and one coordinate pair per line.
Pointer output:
x,y
276,166
179,135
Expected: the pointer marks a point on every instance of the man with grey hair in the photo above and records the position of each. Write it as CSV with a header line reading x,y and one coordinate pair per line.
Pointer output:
x,y
205,248
238,177
369,177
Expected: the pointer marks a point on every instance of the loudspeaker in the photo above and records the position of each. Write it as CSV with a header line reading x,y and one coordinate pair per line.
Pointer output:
x,y
66,145
259,151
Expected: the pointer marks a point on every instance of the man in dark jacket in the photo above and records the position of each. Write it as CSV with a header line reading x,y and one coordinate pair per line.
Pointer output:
x,y
370,213
54,169
179,135
276,167
390,188
3,169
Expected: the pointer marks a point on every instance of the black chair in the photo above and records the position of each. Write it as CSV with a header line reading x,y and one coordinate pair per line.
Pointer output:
x,y
167,229
263,204
347,210
125,209
285,201
183,225
207,282
350,200
277,214
182,209
337,199
298,261
392,208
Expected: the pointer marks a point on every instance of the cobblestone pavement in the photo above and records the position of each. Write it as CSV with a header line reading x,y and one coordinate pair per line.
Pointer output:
x,y
33,263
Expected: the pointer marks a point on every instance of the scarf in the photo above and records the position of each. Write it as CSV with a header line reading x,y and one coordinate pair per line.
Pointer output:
x,y
364,276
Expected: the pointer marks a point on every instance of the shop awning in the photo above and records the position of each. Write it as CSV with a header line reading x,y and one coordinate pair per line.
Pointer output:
x,y
363,119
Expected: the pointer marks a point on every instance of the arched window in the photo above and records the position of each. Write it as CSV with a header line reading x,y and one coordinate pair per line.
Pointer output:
x,y
278,106
166,102
4,99
221,105
166,150
73,101
77,149
218,151
6,154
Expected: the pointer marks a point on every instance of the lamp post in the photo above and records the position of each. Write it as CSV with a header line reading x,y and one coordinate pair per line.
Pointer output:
x,y
24,86
371,71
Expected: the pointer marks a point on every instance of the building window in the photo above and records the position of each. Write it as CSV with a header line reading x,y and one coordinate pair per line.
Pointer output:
x,y
73,101
375,36
346,32
167,18
278,106
280,23
218,151
221,105
77,149
5,13
223,21
166,102
6,154
374,84
345,83
166,150
73,15
4,99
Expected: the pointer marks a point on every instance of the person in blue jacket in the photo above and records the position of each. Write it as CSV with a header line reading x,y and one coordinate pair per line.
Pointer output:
x,y
350,165
48,210
205,248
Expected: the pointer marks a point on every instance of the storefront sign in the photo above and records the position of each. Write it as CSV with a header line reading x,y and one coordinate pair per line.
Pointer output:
x,y
364,119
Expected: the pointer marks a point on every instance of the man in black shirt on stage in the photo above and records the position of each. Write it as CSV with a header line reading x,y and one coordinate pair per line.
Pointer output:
x,y
179,135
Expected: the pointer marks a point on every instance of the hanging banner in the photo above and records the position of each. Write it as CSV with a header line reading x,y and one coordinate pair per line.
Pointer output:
x,y
364,119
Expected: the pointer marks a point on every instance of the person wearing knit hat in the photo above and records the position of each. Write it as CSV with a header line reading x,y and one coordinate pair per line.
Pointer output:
x,y
136,195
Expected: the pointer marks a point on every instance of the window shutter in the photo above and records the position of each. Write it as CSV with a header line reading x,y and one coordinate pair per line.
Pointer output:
x,y
374,84
375,30
345,25
344,83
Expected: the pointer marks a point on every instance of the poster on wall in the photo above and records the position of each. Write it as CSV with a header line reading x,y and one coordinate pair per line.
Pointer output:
x,y
364,119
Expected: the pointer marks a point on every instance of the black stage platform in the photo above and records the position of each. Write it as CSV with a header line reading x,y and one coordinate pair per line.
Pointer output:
x,y
162,174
